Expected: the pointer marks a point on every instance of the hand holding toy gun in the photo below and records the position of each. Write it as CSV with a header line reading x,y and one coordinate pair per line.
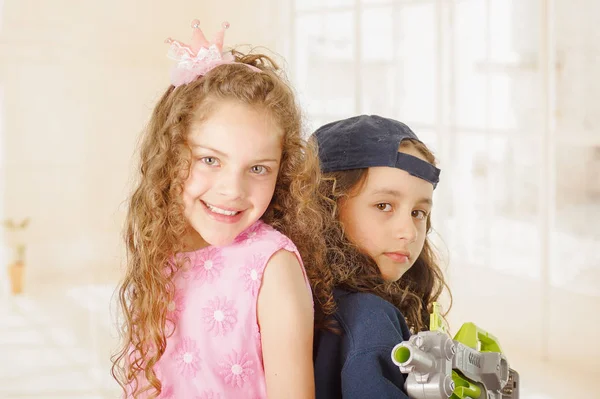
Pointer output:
x,y
470,366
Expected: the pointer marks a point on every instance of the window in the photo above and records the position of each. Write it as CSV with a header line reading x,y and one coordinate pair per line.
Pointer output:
x,y
505,93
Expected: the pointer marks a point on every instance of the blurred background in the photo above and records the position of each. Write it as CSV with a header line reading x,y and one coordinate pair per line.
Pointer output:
x,y
504,91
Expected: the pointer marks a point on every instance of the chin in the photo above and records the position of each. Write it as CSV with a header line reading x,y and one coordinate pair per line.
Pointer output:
x,y
394,277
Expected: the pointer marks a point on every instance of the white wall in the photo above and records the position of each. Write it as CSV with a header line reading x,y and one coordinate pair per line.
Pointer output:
x,y
78,80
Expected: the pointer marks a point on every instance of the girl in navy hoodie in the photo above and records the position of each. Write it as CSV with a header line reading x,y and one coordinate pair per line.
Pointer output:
x,y
381,273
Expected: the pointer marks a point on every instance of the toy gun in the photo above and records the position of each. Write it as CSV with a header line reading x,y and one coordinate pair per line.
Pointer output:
x,y
470,366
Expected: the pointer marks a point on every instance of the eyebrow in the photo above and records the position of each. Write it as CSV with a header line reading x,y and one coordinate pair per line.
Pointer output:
x,y
389,191
222,154
209,149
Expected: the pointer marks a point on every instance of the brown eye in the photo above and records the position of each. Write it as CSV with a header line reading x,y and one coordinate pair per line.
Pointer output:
x,y
384,207
420,215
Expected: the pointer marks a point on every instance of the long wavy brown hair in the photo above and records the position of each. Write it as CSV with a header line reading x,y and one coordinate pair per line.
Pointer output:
x,y
155,224
349,268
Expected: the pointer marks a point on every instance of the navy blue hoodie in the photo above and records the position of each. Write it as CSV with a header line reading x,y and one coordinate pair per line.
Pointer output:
x,y
357,363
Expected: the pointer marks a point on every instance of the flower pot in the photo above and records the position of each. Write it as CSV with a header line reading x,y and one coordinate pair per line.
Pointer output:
x,y
16,273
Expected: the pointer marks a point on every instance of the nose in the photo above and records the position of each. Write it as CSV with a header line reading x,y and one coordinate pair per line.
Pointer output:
x,y
231,185
405,228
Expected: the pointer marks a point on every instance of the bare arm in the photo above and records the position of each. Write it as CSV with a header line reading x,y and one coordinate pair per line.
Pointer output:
x,y
285,316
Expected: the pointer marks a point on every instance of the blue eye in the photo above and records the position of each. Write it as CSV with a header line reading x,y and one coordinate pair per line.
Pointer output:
x,y
384,207
259,169
210,161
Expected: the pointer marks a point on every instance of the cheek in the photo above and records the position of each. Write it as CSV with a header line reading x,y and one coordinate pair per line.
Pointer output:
x,y
422,235
196,184
262,191
359,229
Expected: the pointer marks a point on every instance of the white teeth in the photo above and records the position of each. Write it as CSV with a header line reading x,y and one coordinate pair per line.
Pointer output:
x,y
221,211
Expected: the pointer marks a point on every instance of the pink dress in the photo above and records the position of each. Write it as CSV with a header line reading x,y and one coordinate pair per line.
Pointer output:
x,y
215,351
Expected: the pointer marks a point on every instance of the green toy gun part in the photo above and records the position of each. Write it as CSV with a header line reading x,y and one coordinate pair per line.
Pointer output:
x,y
470,366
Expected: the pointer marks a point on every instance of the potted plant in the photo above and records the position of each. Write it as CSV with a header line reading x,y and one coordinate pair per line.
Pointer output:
x,y
16,268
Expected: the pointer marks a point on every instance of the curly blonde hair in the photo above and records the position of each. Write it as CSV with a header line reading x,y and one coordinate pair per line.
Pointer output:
x,y
349,268
155,222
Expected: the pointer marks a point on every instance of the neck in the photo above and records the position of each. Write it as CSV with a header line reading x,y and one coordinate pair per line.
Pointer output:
x,y
193,241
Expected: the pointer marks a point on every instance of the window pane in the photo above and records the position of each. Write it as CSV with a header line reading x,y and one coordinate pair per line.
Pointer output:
x,y
324,61
377,35
399,61
470,47
512,186
514,65
415,34
467,226
497,66
378,76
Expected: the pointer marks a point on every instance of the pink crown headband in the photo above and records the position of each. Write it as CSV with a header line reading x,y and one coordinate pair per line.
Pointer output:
x,y
200,56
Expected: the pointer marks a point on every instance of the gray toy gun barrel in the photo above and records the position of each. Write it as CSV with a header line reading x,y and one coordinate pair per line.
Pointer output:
x,y
439,367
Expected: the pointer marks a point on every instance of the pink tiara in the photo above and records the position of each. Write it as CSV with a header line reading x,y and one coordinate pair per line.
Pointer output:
x,y
200,56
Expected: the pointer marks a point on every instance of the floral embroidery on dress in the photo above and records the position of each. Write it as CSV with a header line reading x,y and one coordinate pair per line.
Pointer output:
x,y
252,273
187,357
208,265
252,234
220,316
236,369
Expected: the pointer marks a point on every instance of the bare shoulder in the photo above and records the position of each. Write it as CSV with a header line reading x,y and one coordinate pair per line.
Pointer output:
x,y
284,272
283,261
285,317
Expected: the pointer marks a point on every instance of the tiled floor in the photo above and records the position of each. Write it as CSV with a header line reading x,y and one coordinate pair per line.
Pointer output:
x,y
55,344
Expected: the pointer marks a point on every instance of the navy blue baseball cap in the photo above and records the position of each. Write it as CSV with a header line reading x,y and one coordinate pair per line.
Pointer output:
x,y
367,141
